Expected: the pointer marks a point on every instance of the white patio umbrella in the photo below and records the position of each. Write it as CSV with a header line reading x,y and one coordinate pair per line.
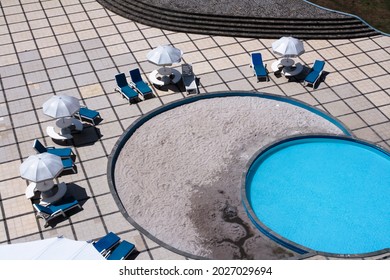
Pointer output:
x,y
57,248
41,167
60,106
288,47
165,55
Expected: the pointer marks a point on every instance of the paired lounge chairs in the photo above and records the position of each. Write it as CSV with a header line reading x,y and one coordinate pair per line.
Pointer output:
x,y
106,243
56,209
315,73
64,153
112,248
131,90
259,69
124,88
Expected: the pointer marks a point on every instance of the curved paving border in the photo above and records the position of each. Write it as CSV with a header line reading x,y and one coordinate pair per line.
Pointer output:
x,y
274,235
255,19
138,123
347,14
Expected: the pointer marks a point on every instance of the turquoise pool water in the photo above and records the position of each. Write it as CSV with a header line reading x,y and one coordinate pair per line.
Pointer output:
x,y
326,194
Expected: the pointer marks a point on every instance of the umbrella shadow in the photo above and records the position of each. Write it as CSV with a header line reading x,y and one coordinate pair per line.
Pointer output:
x,y
77,192
170,87
301,77
88,136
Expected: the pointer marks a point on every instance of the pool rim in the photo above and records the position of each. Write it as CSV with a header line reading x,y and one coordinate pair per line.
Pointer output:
x,y
298,248
125,136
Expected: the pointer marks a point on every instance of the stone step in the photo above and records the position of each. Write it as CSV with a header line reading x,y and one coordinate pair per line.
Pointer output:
x,y
327,28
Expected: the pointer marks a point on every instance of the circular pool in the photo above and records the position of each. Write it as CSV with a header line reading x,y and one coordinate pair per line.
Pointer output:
x,y
329,194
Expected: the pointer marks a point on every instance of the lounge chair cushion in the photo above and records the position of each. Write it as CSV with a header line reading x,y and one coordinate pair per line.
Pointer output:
x,y
143,88
257,59
312,77
39,147
88,113
60,152
129,92
62,205
107,242
258,66
121,252
318,65
121,80
260,71
135,75
67,163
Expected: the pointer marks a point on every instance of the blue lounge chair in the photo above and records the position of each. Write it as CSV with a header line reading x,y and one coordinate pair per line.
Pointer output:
x,y
68,165
124,88
122,251
87,114
139,84
315,73
61,152
259,69
56,209
106,243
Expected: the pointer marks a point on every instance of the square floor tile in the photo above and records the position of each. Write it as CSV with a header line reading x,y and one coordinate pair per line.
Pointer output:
x,y
367,134
337,108
372,116
379,98
366,86
325,95
359,103
341,63
383,130
382,81
352,121
22,226
353,74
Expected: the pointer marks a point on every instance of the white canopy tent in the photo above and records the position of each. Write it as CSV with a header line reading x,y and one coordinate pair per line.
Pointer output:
x,y
57,248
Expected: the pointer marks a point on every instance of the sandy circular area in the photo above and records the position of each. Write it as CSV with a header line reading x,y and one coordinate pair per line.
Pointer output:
x,y
179,174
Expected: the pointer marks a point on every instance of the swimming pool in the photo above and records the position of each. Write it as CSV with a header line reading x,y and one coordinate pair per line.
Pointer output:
x,y
329,194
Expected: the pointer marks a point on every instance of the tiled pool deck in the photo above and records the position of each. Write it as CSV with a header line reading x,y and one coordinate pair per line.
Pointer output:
x,y
76,47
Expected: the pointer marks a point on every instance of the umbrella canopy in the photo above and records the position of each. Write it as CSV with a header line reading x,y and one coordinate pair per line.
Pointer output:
x,y
59,106
164,55
57,248
288,47
41,167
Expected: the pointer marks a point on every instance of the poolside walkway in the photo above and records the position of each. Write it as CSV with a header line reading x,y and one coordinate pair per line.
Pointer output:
x,y
76,47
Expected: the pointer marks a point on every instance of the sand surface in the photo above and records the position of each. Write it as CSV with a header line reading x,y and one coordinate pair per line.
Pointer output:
x,y
179,175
